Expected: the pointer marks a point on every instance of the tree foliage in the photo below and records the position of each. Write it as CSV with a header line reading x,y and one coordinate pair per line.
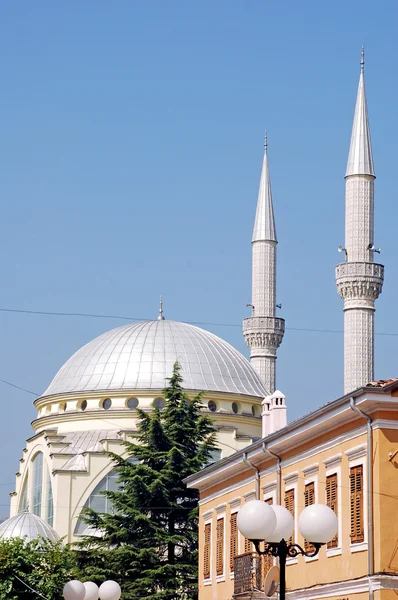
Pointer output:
x,y
150,542
40,564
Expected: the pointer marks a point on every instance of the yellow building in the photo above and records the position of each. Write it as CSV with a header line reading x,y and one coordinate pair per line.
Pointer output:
x,y
345,454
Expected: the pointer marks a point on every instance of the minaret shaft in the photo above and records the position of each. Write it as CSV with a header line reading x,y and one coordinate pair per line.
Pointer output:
x,y
263,331
264,277
359,280
359,218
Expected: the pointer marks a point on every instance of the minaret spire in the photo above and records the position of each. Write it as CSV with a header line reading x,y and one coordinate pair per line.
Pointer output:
x,y
263,331
359,280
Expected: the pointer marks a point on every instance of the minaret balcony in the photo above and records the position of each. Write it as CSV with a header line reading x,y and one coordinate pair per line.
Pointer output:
x,y
357,280
263,332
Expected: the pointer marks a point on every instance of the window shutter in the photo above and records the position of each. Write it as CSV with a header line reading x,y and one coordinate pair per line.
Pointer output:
x,y
248,546
220,547
289,504
356,504
331,501
233,543
206,552
309,498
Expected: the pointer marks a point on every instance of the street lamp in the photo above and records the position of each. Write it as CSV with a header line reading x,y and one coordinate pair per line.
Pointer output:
x,y
76,590
274,524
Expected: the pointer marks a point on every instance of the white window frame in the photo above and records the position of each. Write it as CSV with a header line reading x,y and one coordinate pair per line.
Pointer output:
x,y
208,519
291,483
312,479
220,514
234,506
358,456
333,467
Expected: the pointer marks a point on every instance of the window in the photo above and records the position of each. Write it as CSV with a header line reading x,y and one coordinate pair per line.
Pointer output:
x,y
215,455
233,544
24,497
50,501
132,403
253,410
268,560
37,466
83,405
107,404
331,501
248,546
235,407
212,406
98,501
356,504
309,498
289,504
206,551
159,403
220,547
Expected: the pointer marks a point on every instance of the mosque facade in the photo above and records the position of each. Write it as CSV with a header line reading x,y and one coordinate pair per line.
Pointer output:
x,y
91,404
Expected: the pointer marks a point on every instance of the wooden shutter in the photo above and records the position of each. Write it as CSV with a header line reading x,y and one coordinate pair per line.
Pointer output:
x,y
309,498
268,560
248,546
206,552
220,547
331,501
356,504
289,504
233,542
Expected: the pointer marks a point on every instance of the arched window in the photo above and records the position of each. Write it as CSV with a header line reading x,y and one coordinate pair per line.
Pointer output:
x,y
37,469
50,501
23,504
97,501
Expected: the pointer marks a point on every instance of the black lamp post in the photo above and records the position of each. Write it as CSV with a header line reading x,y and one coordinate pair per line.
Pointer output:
x,y
273,524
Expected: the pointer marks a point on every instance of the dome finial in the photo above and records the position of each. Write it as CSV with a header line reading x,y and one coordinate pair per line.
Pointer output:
x,y
362,59
161,316
265,142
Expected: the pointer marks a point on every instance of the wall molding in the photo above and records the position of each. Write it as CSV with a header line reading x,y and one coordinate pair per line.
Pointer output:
x,y
345,588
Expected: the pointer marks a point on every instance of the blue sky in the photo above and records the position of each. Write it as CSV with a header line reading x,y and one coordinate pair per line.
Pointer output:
x,y
131,141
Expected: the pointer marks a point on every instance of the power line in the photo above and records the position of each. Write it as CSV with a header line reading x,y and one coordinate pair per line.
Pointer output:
x,y
124,318
18,387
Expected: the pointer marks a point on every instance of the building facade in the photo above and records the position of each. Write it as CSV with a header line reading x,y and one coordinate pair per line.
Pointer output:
x,y
344,455
91,407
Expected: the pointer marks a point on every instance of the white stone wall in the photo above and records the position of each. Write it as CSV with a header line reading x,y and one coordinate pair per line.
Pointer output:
x,y
264,278
359,218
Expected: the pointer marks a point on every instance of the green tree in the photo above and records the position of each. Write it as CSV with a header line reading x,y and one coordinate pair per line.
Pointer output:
x,y
150,542
41,565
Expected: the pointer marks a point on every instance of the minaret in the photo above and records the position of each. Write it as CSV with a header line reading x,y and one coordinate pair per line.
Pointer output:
x,y
359,279
263,331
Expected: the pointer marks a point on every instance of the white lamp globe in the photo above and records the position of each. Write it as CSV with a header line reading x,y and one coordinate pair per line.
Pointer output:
x,y
74,590
91,590
256,520
110,590
284,524
318,524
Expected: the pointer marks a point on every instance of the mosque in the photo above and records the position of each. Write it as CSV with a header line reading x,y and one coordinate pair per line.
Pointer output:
x,y
90,405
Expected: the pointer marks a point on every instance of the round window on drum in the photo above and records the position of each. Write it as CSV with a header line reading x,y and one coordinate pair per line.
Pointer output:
x,y
159,403
212,406
132,403
107,404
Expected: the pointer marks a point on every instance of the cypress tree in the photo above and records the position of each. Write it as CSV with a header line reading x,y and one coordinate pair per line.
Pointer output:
x,y
150,541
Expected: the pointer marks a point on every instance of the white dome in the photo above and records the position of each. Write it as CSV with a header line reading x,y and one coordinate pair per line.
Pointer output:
x,y
141,356
29,526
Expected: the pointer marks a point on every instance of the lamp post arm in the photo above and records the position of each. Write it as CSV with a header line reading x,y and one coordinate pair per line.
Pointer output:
x,y
282,550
